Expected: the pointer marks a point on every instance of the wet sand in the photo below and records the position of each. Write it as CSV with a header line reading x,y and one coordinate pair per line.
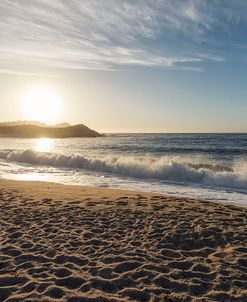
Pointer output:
x,y
71,243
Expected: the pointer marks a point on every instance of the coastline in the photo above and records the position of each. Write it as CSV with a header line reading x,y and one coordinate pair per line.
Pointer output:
x,y
74,243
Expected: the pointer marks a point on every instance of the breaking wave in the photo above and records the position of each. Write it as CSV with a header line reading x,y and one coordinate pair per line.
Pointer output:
x,y
162,168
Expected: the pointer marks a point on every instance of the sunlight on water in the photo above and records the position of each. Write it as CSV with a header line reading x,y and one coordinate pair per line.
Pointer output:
x,y
32,177
44,144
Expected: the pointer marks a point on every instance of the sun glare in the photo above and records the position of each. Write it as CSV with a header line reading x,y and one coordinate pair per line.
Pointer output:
x,y
43,104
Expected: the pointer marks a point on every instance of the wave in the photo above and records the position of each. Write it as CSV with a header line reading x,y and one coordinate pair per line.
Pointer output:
x,y
163,168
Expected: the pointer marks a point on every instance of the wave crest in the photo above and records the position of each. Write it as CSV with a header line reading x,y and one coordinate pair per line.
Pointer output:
x,y
162,168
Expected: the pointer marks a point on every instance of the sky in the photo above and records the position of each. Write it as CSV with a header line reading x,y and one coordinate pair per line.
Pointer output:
x,y
125,66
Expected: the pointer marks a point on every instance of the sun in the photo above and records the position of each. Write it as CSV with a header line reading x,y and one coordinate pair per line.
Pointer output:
x,y
42,103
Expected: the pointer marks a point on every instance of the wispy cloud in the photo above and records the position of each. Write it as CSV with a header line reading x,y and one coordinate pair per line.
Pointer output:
x,y
23,73
90,34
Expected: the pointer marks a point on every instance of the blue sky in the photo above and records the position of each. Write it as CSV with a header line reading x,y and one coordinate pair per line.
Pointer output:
x,y
158,66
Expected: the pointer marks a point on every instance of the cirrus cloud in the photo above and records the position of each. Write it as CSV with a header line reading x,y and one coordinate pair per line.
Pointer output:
x,y
110,34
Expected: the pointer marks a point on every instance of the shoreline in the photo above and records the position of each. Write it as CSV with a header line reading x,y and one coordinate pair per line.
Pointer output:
x,y
40,185
75,243
87,188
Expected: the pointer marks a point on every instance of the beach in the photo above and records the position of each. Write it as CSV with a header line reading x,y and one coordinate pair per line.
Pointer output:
x,y
123,151
75,243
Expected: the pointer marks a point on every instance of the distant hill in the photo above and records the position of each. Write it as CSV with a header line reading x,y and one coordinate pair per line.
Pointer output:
x,y
33,131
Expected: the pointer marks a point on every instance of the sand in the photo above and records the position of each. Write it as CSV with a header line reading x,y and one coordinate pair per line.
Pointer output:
x,y
70,243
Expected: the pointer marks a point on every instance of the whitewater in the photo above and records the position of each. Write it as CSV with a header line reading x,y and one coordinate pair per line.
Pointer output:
x,y
206,166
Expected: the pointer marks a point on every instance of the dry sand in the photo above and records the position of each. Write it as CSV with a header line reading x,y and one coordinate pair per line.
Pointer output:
x,y
68,243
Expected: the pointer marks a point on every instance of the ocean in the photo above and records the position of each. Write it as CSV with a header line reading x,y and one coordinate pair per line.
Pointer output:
x,y
205,166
